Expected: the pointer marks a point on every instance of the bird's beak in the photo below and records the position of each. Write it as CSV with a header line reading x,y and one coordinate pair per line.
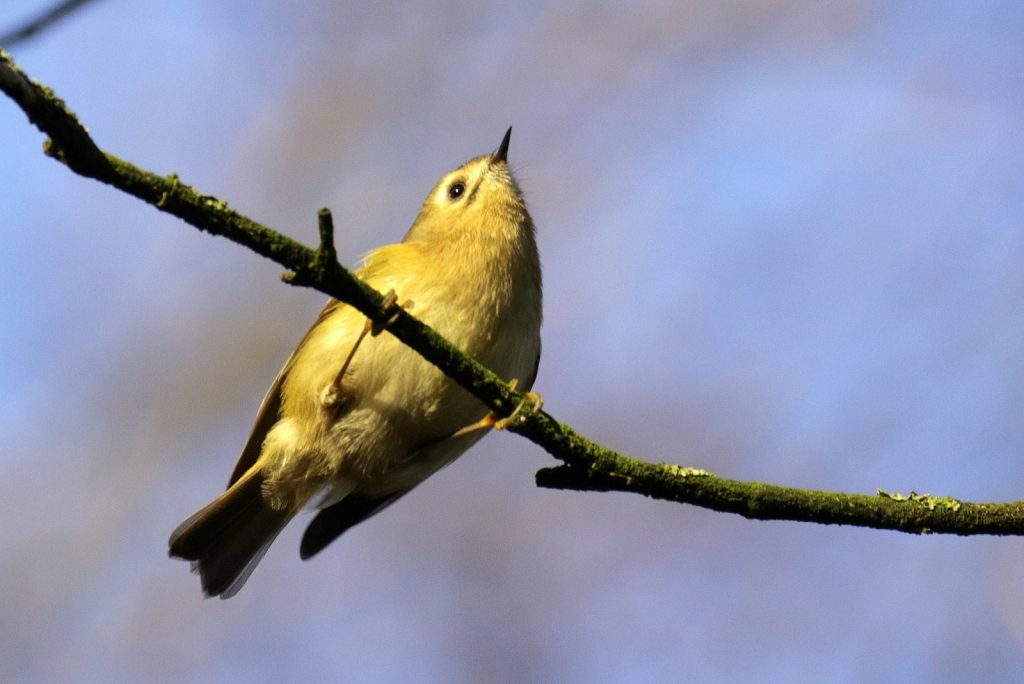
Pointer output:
x,y
501,154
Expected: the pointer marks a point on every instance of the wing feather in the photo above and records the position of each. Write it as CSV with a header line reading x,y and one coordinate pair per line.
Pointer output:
x,y
270,407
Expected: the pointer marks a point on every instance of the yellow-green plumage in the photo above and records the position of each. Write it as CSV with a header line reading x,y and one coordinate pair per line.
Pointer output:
x,y
470,268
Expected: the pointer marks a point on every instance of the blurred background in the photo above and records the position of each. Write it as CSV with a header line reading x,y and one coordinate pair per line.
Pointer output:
x,y
782,241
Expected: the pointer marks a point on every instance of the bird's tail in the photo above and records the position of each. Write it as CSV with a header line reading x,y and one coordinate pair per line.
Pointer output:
x,y
226,539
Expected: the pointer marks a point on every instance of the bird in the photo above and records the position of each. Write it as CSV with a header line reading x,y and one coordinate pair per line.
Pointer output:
x,y
354,421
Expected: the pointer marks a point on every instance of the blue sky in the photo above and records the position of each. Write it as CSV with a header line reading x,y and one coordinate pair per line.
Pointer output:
x,y
782,241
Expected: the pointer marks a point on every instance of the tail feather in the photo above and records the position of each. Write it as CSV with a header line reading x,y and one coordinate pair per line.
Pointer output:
x,y
226,539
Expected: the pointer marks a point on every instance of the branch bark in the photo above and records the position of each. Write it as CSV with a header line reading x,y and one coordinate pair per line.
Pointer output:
x,y
587,466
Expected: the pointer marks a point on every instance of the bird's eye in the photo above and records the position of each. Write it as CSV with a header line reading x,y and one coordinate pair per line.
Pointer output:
x,y
456,189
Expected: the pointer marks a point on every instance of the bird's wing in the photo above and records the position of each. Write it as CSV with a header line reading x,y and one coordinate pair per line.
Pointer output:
x,y
270,407
536,367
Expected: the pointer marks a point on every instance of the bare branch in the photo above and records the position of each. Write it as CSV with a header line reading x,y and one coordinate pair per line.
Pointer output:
x,y
40,23
587,466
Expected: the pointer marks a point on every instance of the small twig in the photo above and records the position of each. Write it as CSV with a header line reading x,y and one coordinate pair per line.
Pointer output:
x,y
327,251
41,22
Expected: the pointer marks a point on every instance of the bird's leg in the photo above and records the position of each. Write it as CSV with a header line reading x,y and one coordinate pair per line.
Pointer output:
x,y
332,393
390,300
529,398
491,420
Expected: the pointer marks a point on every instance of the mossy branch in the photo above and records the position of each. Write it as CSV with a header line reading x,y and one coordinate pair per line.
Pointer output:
x,y
586,466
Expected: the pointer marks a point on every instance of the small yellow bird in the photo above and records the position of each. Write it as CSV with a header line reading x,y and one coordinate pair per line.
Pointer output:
x,y
353,422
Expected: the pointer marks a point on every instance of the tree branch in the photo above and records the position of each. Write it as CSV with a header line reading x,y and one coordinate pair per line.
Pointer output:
x,y
41,22
587,465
